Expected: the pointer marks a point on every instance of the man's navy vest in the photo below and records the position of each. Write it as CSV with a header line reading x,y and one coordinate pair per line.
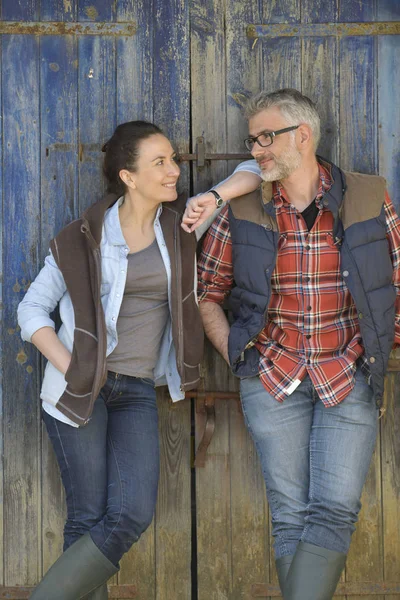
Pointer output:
x,y
357,204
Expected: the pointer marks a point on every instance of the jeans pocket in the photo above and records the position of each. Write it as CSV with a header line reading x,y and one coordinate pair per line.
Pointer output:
x,y
146,380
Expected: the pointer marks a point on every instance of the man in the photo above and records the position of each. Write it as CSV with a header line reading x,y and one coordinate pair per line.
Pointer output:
x,y
311,266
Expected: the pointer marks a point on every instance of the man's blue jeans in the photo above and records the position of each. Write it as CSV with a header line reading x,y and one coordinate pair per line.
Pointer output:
x,y
110,467
314,460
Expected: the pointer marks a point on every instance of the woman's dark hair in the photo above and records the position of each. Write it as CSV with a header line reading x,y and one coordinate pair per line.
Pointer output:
x,y
122,151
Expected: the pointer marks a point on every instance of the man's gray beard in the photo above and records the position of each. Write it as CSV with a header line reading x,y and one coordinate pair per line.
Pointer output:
x,y
289,161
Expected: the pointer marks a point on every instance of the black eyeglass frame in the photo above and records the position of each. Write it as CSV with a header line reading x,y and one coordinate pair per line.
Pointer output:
x,y
271,135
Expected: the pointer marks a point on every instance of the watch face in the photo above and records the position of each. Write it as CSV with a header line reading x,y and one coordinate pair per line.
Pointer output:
x,y
218,200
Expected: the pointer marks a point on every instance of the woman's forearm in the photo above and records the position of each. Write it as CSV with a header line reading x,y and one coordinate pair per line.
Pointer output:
x,y
238,184
47,342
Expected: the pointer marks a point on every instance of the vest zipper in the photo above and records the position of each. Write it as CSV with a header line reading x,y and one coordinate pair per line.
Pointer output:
x,y
178,284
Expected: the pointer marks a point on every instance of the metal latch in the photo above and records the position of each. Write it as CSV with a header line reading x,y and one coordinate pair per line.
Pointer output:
x,y
201,156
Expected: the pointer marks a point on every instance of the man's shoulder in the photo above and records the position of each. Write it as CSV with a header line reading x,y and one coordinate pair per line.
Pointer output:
x,y
364,197
251,207
371,185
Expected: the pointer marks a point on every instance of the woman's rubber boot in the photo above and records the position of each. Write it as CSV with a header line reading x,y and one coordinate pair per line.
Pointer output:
x,y
101,593
78,572
314,573
282,568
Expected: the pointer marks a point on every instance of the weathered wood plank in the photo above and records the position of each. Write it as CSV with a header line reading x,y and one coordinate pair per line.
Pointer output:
x,y
244,69
388,10
353,11
320,81
389,116
390,430
97,113
59,130
2,343
171,89
365,560
319,11
213,491
96,10
281,64
320,75
250,520
20,11
135,63
58,10
358,134
207,22
281,11
20,362
173,514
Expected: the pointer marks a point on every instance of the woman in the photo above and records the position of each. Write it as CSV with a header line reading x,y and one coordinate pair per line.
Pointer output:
x,y
129,320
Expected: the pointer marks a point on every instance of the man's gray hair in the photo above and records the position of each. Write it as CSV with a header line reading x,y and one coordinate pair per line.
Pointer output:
x,y
295,108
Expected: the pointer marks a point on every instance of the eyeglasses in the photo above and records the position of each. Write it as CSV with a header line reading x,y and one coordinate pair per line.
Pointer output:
x,y
266,138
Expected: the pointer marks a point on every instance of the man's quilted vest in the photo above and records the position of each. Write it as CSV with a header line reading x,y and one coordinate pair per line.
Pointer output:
x,y
357,204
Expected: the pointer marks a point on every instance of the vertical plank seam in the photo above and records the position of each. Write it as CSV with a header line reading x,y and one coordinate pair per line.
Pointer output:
x,y
1,315
39,474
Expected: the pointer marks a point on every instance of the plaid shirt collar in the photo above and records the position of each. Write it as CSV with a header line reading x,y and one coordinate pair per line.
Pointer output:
x,y
325,183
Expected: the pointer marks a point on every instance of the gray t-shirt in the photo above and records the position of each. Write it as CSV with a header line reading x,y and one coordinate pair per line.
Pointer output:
x,y
143,315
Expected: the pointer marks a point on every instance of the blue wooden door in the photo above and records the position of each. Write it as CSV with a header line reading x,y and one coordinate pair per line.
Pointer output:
x,y
71,71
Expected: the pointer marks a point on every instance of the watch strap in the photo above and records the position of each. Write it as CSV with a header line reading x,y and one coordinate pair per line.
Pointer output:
x,y
218,200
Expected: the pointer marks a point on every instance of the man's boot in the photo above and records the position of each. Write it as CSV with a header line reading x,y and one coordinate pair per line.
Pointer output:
x,y
101,593
77,573
282,568
314,573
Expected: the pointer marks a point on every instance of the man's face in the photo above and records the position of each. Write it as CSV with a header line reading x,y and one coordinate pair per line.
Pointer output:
x,y
282,158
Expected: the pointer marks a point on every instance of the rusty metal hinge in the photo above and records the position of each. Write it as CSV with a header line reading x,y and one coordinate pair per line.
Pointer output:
x,y
202,156
275,30
67,28
205,404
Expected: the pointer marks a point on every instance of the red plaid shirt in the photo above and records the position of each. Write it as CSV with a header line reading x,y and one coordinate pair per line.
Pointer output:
x,y
312,326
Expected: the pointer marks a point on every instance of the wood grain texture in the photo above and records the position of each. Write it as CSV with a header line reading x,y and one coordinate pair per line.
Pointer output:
x,y
390,430
320,82
2,341
243,68
173,512
20,255
358,127
20,11
58,10
134,89
96,10
319,11
171,83
213,492
58,178
97,113
208,102
365,559
389,116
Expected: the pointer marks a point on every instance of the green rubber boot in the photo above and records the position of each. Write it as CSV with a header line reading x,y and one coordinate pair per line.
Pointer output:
x,y
282,568
314,573
76,574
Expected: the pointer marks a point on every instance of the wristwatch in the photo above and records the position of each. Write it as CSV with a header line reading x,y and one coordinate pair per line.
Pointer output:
x,y
218,200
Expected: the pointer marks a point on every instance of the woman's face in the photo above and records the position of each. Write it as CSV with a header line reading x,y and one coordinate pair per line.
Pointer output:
x,y
156,173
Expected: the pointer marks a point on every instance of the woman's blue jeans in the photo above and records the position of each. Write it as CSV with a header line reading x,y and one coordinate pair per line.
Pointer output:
x,y
314,460
110,467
